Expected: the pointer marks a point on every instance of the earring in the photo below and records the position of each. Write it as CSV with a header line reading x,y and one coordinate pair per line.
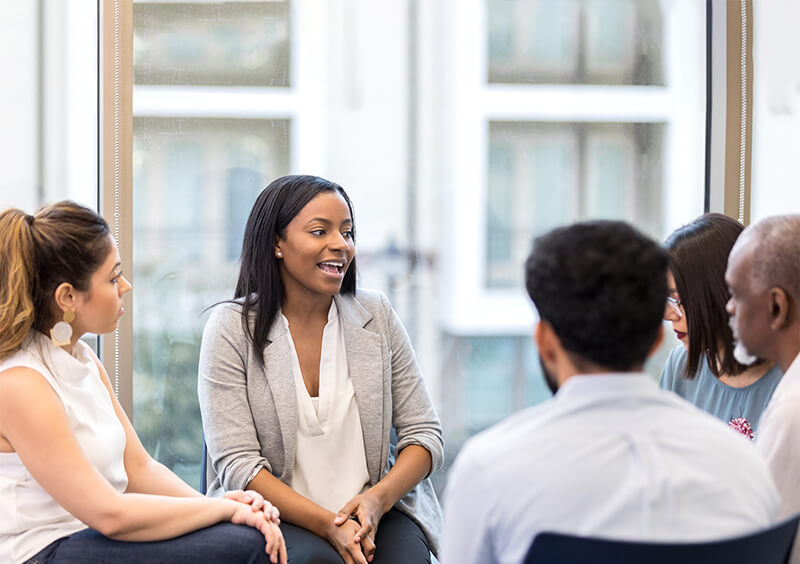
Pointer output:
x,y
61,333
278,253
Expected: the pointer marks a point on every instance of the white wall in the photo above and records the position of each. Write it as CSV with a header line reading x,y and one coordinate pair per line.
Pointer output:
x,y
18,113
776,109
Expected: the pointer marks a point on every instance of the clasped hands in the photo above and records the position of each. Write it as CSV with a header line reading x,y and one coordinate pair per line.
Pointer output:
x,y
355,527
263,516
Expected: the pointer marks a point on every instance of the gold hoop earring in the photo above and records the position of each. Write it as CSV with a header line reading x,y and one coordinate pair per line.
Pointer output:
x,y
61,333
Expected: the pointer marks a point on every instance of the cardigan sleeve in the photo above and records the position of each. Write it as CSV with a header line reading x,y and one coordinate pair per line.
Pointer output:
x,y
413,415
228,425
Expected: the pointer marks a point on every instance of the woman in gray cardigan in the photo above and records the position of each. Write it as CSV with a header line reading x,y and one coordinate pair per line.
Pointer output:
x,y
302,379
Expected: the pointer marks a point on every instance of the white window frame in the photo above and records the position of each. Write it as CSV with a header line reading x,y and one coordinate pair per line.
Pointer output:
x,y
469,308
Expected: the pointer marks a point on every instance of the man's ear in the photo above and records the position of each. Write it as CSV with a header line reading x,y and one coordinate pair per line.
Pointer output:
x,y
778,309
546,340
64,296
657,342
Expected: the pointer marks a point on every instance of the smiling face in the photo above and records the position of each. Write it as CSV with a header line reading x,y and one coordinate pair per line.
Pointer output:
x,y
679,323
99,308
317,248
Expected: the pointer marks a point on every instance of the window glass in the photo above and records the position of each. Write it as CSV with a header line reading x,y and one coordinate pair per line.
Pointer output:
x,y
212,44
48,142
195,178
575,41
542,175
450,157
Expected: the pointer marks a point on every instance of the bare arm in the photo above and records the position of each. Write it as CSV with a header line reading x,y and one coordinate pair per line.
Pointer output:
x,y
145,475
33,420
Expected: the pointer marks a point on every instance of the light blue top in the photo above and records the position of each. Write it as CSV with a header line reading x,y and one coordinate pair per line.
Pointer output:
x,y
717,398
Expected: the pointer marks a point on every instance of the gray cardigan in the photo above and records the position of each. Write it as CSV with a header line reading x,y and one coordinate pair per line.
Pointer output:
x,y
250,412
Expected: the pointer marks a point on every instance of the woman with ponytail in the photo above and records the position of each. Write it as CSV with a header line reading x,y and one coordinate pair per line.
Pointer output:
x,y
76,484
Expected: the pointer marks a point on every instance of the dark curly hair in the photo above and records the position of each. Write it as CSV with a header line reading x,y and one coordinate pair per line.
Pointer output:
x,y
602,286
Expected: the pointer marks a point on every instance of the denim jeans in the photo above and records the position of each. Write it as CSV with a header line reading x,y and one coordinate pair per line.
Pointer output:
x,y
224,542
399,541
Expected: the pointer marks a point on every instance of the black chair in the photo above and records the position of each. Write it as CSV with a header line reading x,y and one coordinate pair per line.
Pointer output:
x,y
768,546
204,469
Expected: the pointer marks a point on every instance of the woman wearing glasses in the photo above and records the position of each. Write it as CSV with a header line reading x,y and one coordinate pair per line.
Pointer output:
x,y
704,369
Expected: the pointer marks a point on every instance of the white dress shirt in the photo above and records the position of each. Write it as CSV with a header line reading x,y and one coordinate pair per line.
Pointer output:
x,y
778,441
330,466
612,456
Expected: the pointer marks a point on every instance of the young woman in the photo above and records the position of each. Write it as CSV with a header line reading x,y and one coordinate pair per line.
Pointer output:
x,y
75,482
302,379
703,369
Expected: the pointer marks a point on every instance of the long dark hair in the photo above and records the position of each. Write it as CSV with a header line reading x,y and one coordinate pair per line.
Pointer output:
x,y
259,286
63,242
698,258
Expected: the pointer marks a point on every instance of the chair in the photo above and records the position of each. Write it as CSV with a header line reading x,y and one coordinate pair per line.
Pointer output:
x,y
768,546
204,469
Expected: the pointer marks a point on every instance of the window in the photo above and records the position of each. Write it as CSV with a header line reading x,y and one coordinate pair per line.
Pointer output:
x,y
48,142
559,111
213,123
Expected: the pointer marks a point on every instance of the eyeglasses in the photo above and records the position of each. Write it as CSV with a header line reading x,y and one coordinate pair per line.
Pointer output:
x,y
676,306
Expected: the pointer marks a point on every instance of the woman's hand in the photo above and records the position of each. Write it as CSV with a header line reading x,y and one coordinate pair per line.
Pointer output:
x,y
256,502
367,508
342,537
275,545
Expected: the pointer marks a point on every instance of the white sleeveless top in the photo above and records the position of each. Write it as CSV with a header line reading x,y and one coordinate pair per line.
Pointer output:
x,y
30,519
330,466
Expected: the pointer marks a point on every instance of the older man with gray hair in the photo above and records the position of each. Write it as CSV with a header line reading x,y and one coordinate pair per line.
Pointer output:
x,y
763,275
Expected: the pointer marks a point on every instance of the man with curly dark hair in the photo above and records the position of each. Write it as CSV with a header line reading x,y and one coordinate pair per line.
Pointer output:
x,y
611,454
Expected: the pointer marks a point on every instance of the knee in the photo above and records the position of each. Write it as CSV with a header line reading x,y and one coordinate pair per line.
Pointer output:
x,y
241,544
314,554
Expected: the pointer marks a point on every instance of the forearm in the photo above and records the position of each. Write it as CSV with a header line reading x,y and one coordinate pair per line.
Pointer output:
x,y
412,465
294,508
142,517
152,477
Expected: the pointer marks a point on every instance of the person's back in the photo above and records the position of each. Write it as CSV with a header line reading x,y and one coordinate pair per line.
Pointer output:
x,y
611,455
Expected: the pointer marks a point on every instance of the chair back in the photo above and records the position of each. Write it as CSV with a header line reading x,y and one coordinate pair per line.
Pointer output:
x,y
768,546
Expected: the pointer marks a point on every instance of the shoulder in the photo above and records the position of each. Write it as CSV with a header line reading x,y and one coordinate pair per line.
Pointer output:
x,y
21,385
524,429
226,317
371,300
672,377
677,359
225,311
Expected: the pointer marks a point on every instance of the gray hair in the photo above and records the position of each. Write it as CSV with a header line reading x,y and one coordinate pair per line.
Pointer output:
x,y
776,252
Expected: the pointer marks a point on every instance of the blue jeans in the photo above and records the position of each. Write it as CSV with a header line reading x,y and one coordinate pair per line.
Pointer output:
x,y
399,541
223,542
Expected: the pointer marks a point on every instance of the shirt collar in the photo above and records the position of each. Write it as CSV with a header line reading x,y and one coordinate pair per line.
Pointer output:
x,y
605,384
794,366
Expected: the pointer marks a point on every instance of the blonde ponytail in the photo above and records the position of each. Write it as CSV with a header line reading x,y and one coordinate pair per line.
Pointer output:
x,y
17,271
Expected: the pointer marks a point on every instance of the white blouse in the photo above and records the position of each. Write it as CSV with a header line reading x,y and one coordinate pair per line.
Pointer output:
x,y
330,466
30,519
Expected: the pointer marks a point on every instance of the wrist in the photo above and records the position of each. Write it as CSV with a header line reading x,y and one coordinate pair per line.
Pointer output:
x,y
228,507
322,524
383,501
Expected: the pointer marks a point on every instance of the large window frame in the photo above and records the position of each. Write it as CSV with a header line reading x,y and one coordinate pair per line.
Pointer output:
x,y
478,103
464,188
